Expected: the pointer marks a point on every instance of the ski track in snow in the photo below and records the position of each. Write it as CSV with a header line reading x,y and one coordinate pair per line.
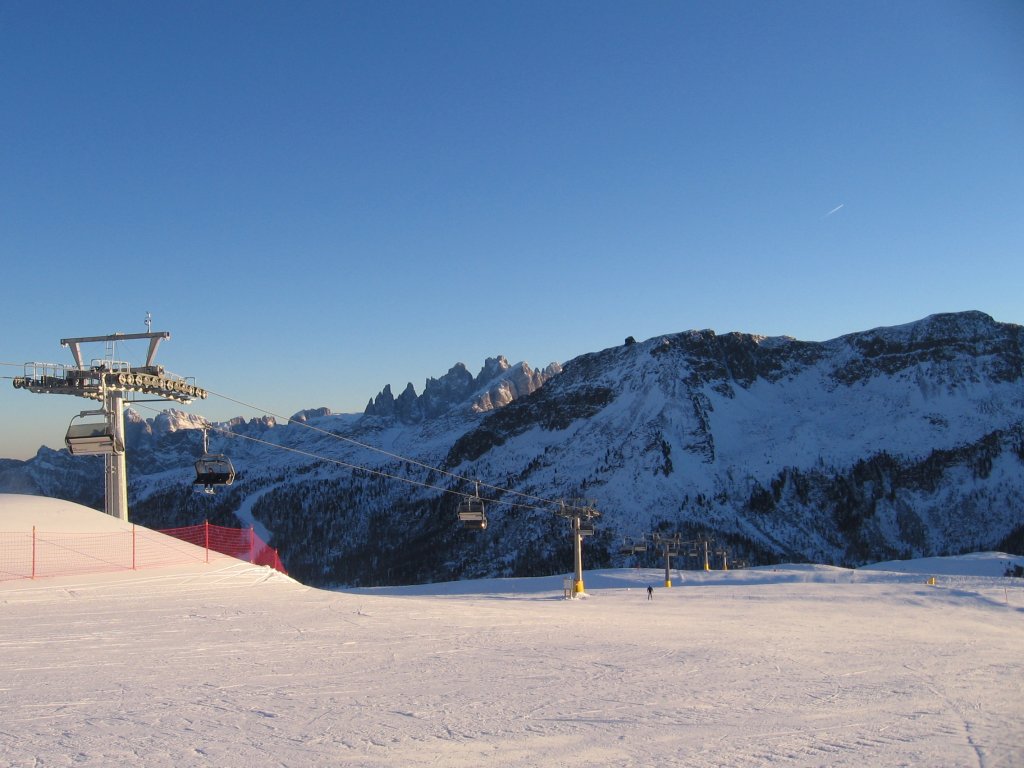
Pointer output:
x,y
233,665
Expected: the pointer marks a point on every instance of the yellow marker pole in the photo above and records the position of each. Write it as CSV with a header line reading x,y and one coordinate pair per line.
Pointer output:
x,y
577,540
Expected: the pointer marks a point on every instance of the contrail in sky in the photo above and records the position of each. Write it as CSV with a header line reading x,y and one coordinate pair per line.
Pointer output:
x,y
833,210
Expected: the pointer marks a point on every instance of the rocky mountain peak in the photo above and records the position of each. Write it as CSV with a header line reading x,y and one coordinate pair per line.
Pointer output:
x,y
305,415
497,384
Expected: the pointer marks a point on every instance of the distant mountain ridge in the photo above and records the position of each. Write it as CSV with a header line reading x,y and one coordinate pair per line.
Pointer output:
x,y
497,384
894,442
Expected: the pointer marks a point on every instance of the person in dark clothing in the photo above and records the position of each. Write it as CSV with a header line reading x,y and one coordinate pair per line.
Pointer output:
x,y
650,592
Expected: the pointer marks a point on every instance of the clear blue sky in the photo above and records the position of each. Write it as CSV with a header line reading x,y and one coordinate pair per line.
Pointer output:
x,y
320,198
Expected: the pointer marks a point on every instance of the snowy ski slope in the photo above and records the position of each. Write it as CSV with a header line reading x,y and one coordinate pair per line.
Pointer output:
x,y
234,665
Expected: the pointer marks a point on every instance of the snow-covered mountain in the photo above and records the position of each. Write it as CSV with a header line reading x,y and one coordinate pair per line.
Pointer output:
x,y
895,442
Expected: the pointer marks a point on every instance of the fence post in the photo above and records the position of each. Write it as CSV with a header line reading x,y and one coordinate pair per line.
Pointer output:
x,y
206,531
33,552
252,543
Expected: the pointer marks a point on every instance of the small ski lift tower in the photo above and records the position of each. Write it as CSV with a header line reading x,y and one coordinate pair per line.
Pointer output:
x,y
723,553
669,545
213,469
471,511
108,381
580,513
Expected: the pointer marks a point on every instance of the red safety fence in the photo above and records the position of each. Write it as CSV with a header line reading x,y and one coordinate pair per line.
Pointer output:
x,y
242,543
38,554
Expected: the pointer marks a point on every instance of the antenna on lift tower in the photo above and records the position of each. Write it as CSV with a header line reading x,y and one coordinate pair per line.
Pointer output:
x,y
108,381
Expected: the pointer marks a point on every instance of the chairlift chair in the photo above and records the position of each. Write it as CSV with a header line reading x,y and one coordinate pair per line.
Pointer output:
x,y
586,528
91,438
471,512
472,515
213,469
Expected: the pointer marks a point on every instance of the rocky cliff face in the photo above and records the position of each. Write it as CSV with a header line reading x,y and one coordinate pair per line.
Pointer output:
x,y
497,384
894,442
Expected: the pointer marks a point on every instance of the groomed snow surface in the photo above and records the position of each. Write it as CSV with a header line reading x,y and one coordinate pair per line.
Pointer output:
x,y
229,664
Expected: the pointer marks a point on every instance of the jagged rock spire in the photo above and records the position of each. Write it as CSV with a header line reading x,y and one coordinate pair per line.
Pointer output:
x,y
497,384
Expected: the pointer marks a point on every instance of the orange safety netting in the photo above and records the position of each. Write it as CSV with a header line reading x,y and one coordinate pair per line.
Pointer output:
x,y
40,553
242,543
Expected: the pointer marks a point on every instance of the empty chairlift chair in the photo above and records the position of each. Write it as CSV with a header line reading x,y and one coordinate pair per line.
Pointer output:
x,y
471,512
91,438
213,469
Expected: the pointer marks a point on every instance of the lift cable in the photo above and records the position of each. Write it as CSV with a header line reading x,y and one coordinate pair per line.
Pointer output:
x,y
287,420
11,365
396,456
377,472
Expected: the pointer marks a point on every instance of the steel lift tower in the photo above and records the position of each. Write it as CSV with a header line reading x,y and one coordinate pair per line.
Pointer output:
x,y
581,514
108,381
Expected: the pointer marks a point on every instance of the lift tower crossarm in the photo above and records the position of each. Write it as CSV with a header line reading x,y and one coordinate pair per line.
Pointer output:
x,y
154,341
108,382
